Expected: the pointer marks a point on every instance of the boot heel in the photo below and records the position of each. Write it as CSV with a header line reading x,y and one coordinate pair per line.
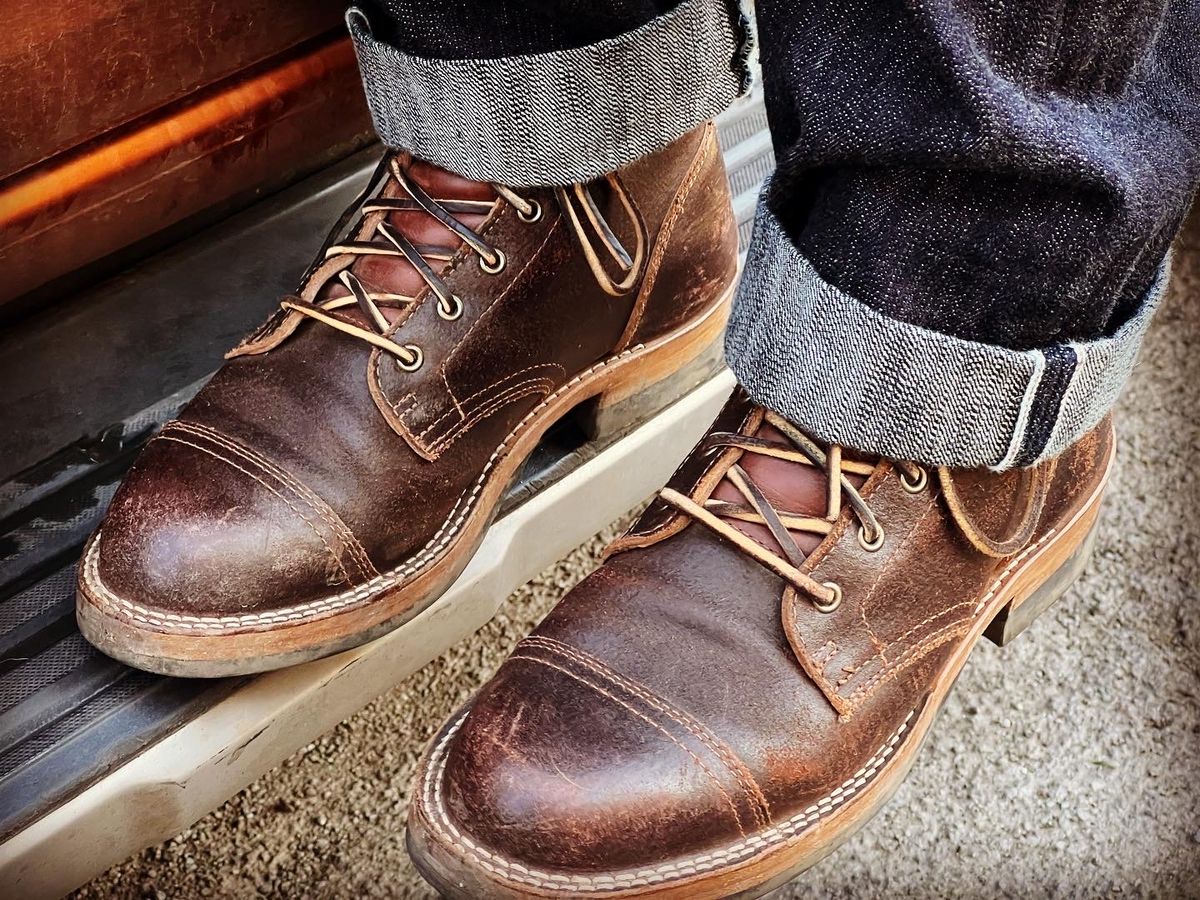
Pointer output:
x,y
1018,614
657,378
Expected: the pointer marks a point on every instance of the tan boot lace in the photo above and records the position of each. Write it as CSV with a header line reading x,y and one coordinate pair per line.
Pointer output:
x,y
713,513
386,240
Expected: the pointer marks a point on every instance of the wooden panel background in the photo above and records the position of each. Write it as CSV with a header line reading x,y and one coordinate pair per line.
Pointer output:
x,y
119,118
72,69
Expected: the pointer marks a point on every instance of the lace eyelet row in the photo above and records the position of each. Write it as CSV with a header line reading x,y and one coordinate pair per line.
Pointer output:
x,y
494,268
535,212
871,545
456,308
454,312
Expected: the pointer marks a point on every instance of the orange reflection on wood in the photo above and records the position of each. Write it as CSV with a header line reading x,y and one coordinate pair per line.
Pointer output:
x,y
246,134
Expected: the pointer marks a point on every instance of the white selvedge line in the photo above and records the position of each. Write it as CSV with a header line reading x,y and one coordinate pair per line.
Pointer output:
x,y
385,581
513,871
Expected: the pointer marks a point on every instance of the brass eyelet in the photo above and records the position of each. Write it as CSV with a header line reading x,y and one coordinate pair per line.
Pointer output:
x,y
834,602
456,309
872,545
418,358
498,266
915,486
535,212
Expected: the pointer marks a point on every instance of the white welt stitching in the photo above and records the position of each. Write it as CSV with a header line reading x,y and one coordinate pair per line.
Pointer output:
x,y
1016,560
364,591
512,871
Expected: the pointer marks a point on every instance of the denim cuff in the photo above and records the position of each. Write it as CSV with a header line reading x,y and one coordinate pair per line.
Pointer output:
x,y
561,117
850,375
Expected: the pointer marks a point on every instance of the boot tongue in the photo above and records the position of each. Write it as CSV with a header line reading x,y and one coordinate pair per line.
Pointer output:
x,y
789,487
395,274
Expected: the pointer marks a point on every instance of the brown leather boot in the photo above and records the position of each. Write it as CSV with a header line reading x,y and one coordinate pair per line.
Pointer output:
x,y
340,470
750,675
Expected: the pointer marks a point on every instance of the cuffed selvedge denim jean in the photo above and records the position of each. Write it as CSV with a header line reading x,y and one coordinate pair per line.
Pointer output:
x,y
968,230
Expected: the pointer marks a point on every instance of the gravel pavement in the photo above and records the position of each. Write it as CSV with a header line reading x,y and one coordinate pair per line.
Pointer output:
x,y
1065,765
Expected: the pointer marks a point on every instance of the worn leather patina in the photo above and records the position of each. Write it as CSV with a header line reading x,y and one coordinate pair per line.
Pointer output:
x,y
315,472
688,720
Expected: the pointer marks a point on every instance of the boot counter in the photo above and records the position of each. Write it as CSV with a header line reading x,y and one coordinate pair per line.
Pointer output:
x,y
693,260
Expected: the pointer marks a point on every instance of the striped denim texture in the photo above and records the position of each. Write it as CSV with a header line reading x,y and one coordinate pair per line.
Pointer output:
x,y
851,375
564,116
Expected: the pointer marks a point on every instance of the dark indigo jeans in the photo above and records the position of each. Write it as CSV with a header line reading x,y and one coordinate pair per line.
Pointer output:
x,y
968,229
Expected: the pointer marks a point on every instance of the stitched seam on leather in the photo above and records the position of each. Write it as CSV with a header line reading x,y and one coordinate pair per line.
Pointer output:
x,y
482,410
758,802
397,422
912,532
674,213
880,647
449,393
737,818
928,621
851,671
521,387
886,667
462,407
497,403
1008,570
826,653
304,492
382,582
814,670
554,366
337,559
938,637
375,362
534,257
482,315
913,655
871,636
735,853
270,468
855,699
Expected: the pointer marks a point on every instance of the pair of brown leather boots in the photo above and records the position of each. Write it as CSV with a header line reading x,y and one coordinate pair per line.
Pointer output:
x,y
748,676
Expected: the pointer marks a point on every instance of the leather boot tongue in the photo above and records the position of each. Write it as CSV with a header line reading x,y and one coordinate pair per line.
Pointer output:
x,y
393,274
790,487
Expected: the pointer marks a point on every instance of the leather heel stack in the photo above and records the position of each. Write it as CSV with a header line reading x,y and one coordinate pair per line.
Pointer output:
x,y
1019,614
684,362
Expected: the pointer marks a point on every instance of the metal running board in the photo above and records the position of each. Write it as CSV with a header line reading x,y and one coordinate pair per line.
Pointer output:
x,y
112,759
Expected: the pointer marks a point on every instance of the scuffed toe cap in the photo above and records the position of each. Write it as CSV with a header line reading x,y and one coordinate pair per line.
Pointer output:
x,y
203,526
562,764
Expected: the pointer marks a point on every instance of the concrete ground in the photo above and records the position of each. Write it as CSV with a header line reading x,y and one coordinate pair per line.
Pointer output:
x,y
1067,764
